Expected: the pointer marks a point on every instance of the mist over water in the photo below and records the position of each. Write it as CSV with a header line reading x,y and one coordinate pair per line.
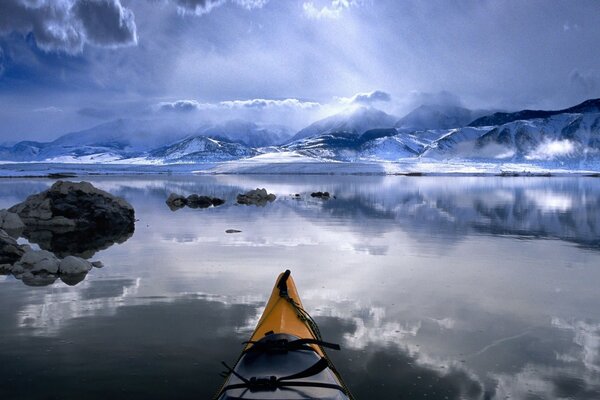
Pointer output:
x,y
436,287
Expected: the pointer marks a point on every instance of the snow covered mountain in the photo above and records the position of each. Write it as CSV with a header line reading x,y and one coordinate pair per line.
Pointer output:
x,y
500,118
121,138
436,116
201,149
560,137
364,134
247,133
353,122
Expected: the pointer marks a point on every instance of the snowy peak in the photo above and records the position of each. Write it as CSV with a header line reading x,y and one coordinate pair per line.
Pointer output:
x,y
202,149
437,117
501,118
353,122
247,133
560,137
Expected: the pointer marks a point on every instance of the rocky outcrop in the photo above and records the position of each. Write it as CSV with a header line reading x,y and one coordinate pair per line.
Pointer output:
x,y
257,197
10,251
75,219
196,201
75,205
175,201
67,220
11,223
41,267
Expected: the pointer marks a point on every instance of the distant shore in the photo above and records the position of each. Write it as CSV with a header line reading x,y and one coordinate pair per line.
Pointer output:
x,y
454,168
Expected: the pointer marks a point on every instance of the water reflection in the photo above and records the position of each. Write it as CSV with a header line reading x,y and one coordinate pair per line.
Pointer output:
x,y
474,288
77,242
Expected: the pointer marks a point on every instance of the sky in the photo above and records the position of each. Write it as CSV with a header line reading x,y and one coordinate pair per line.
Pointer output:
x,y
67,65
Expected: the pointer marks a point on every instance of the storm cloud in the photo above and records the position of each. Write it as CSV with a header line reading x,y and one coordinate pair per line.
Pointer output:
x,y
367,98
200,7
67,25
287,62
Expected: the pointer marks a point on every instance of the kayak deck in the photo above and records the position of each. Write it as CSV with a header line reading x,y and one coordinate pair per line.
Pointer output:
x,y
284,358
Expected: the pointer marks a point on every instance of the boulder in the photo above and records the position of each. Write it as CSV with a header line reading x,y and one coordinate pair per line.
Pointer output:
x,y
258,197
74,265
75,219
36,261
10,250
11,223
75,205
175,201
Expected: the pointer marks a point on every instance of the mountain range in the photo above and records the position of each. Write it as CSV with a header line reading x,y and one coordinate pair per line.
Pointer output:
x,y
436,132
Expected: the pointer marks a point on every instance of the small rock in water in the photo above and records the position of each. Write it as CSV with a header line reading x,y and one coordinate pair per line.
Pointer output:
x,y
74,266
320,195
36,261
232,231
257,197
175,201
97,264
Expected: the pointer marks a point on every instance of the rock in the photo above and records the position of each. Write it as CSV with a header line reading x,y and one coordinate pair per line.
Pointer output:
x,y
175,201
79,242
97,264
258,197
72,279
320,195
196,201
10,250
11,223
74,266
232,231
75,219
77,205
35,261
41,279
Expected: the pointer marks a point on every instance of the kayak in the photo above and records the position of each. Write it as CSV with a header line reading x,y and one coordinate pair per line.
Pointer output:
x,y
285,357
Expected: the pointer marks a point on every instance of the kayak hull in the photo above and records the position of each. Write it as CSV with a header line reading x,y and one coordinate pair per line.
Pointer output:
x,y
284,358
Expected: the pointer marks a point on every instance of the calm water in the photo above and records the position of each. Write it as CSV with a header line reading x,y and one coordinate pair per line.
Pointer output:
x,y
436,287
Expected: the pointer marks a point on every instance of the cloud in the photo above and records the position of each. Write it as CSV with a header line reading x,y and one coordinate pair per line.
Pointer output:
x,y
67,25
332,11
366,98
184,106
442,98
50,110
193,105
106,23
552,149
201,7
270,103
95,112
586,82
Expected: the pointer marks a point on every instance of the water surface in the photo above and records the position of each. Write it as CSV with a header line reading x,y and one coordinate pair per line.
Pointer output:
x,y
436,287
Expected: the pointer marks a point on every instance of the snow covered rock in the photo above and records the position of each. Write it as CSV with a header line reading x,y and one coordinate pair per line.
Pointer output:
x,y
257,197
